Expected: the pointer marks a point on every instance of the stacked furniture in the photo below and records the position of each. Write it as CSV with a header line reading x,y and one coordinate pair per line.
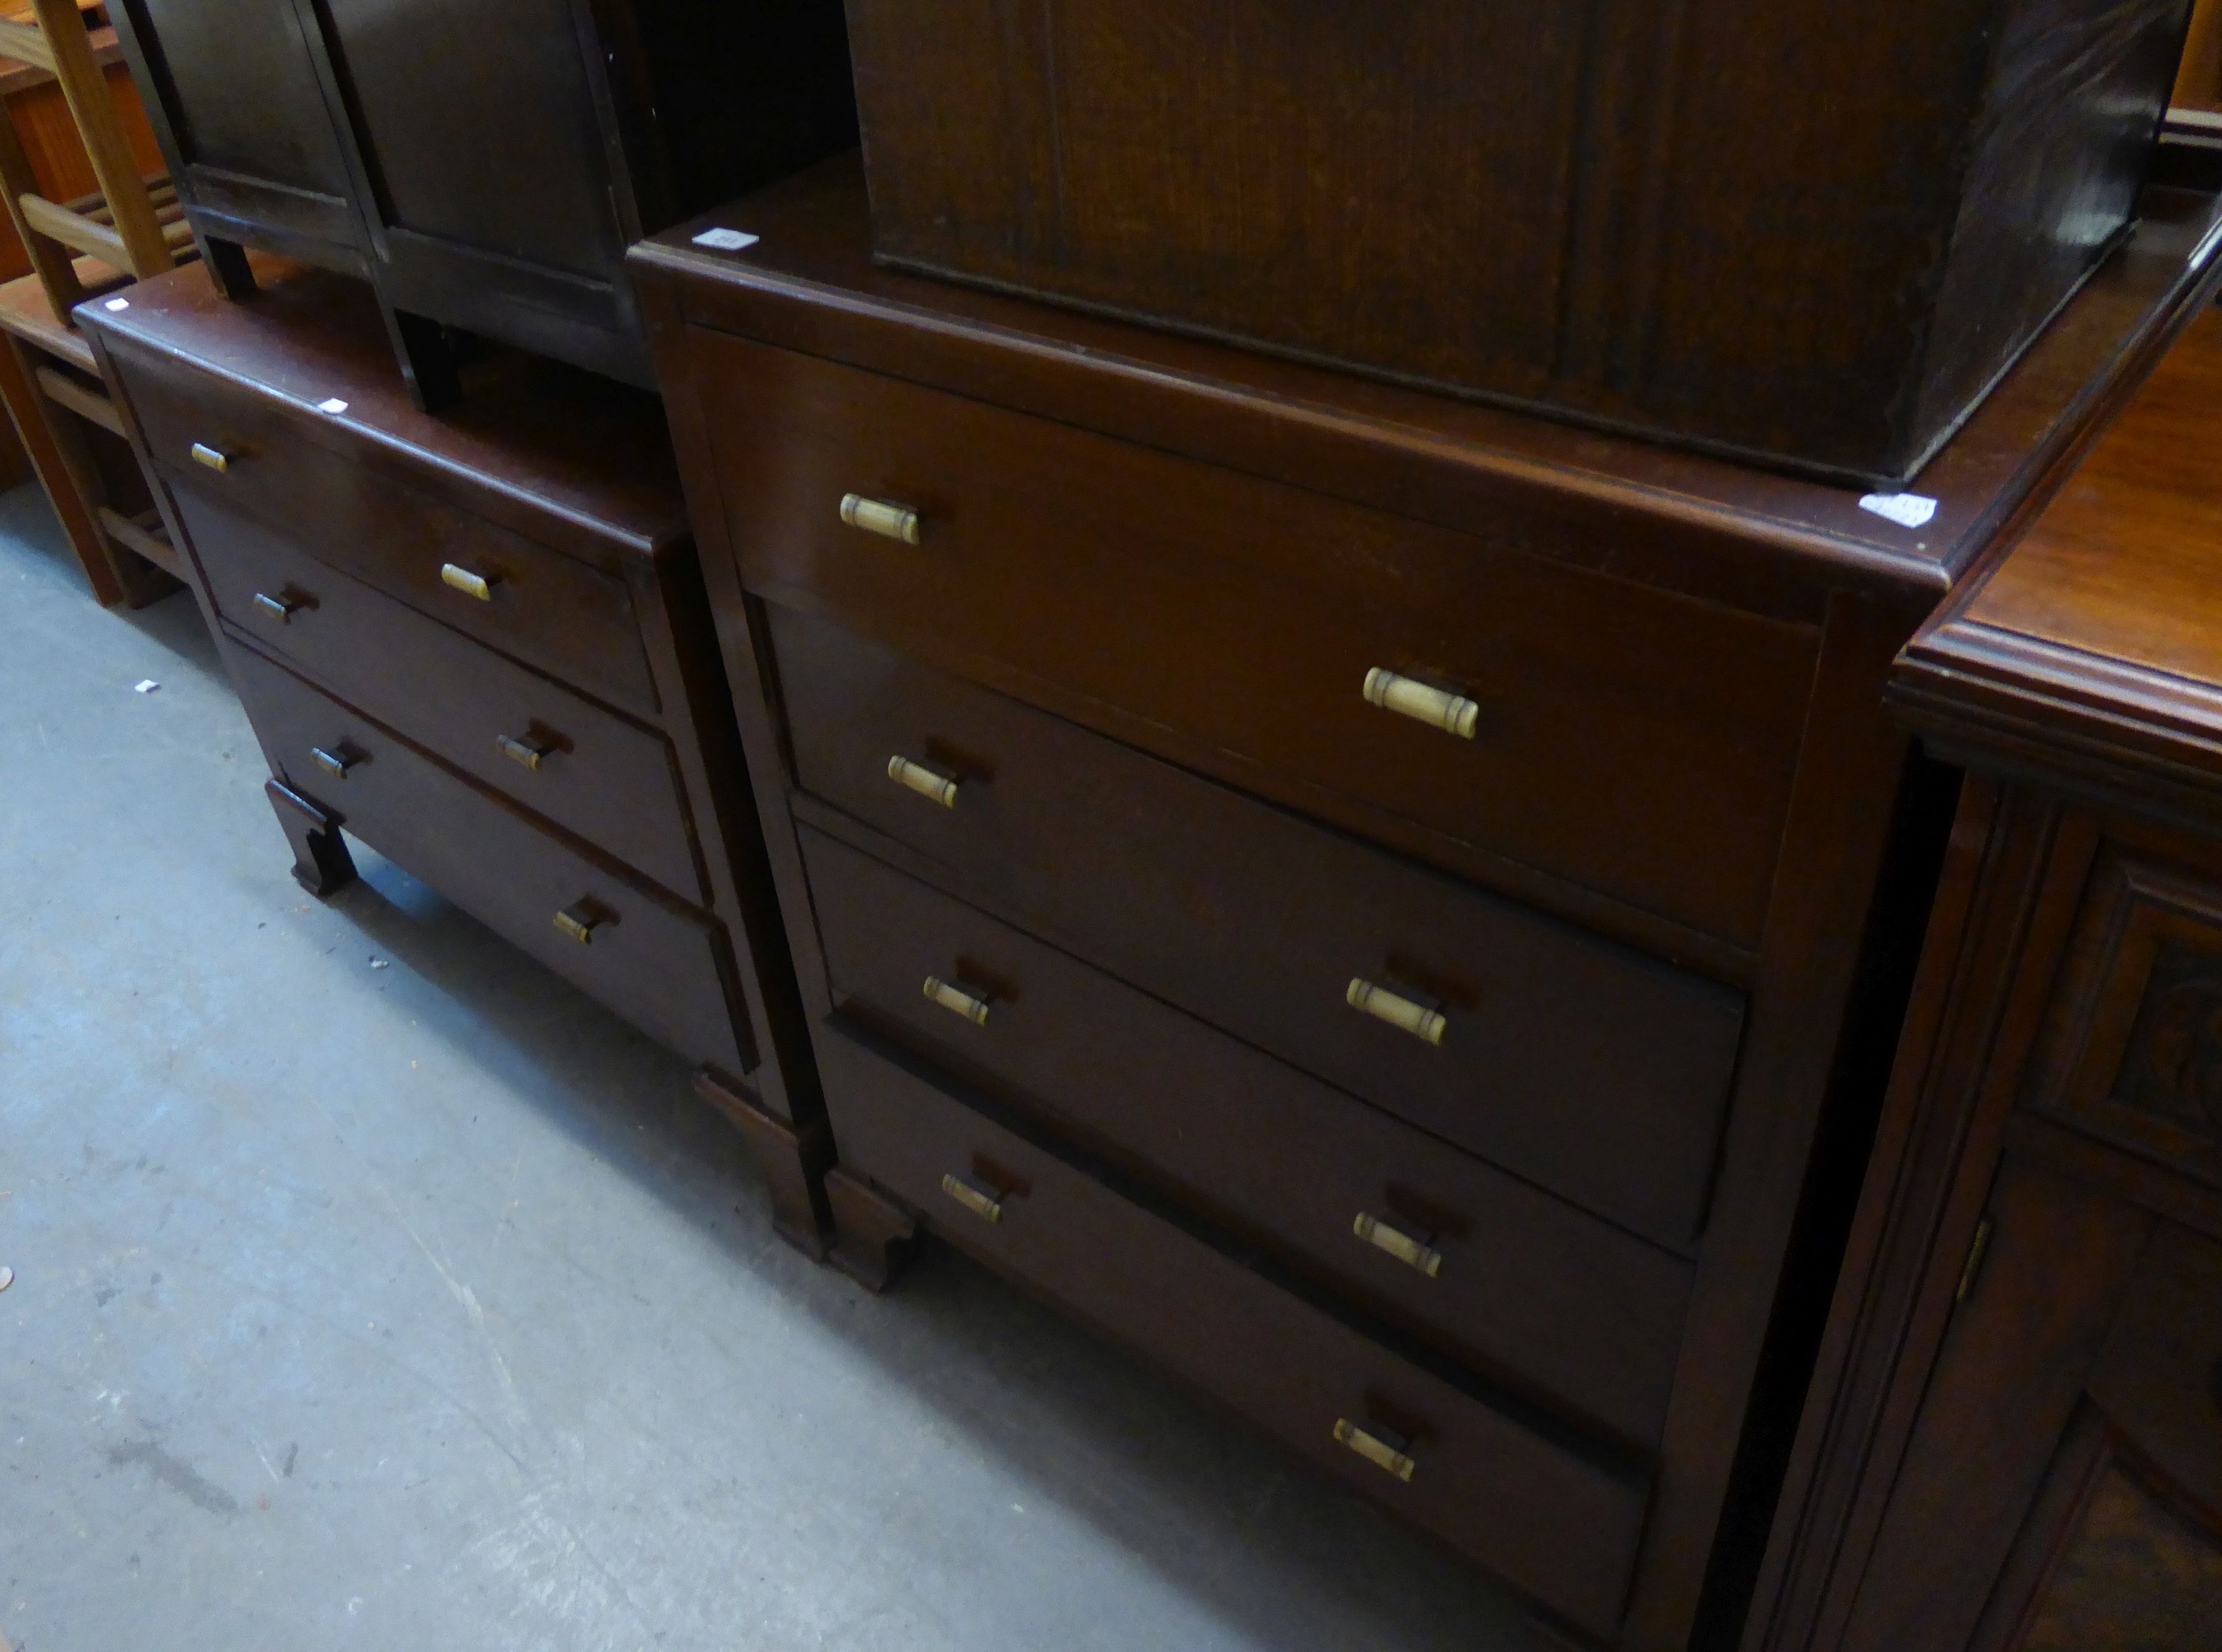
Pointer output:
x,y
69,118
484,165
479,644
1395,909
2015,1439
1789,232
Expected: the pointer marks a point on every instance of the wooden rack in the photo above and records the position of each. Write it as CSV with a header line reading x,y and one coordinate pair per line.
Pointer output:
x,y
79,245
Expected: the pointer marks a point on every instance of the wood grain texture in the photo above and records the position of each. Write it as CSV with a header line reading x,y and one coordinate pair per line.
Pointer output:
x,y
595,643
1762,543
2013,1438
1568,1534
1581,1316
2098,636
658,964
1586,1067
603,776
1247,617
1575,211
1823,974
485,165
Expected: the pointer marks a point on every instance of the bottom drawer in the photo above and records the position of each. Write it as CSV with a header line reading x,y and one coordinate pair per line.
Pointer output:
x,y
662,968
1556,1516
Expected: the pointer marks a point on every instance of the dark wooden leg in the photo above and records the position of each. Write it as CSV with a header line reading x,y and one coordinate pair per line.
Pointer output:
x,y
428,360
793,1158
872,1234
227,268
321,862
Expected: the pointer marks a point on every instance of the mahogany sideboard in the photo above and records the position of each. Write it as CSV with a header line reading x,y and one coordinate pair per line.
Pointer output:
x,y
477,643
1396,910
2015,1439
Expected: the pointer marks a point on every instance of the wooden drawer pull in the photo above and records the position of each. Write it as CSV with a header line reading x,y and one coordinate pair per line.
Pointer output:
x,y
971,1197
524,753
469,584
214,459
335,764
579,925
1438,708
278,608
889,522
1384,1454
956,1000
1413,1253
1400,1012
925,781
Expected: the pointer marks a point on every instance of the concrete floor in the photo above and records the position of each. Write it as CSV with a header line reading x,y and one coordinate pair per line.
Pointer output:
x,y
373,1287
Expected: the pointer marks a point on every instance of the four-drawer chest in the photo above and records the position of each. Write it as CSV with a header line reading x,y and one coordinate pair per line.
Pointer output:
x,y
1396,910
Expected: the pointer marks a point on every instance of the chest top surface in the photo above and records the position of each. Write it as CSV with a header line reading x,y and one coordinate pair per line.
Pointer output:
x,y
2099,634
1771,543
547,448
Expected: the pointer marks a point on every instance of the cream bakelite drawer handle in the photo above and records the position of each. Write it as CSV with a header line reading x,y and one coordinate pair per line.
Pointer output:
x,y
956,1000
1438,708
1384,1453
889,520
578,923
457,578
525,754
1400,1012
981,1205
213,457
926,782
1413,1252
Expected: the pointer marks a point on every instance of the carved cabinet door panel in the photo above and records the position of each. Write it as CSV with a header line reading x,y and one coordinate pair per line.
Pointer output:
x,y
2062,1491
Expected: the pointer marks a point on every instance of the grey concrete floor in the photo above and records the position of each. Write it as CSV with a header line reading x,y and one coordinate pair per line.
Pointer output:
x,y
373,1288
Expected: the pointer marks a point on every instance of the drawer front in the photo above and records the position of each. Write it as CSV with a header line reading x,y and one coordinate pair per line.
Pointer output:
x,y
1585,1067
1636,743
571,620
663,969
1506,1277
584,768
1557,1520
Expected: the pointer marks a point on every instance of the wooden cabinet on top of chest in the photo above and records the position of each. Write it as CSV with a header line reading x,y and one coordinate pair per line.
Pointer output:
x,y
480,644
1388,906
483,162
2014,1442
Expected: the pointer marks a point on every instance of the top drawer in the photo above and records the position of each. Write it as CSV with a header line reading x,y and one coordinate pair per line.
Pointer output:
x,y
1638,743
573,621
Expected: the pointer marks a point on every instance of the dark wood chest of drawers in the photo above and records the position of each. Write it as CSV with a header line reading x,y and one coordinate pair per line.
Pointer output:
x,y
1805,234
478,643
486,163
2015,1439
1385,905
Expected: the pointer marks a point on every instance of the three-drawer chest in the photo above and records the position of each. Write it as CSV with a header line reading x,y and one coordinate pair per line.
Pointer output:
x,y
478,643
1396,910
